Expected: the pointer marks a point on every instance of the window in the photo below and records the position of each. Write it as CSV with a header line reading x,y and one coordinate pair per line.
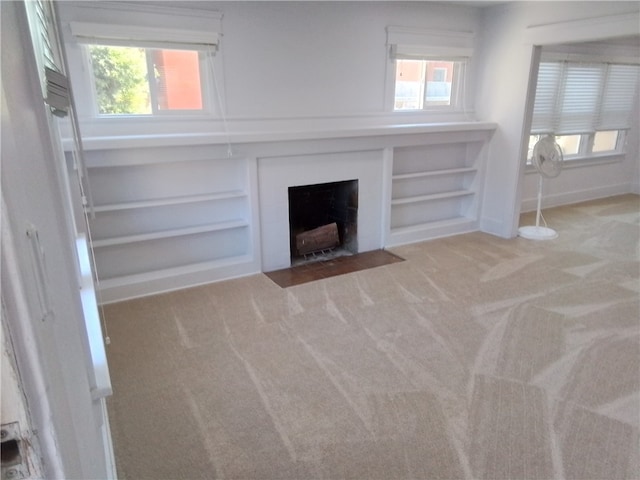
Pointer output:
x,y
138,81
134,69
606,141
570,144
586,105
440,73
422,84
428,68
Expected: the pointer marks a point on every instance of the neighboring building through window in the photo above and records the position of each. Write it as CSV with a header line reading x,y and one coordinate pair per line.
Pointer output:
x,y
139,81
421,84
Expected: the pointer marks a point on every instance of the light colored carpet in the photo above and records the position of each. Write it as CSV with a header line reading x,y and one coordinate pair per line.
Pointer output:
x,y
476,358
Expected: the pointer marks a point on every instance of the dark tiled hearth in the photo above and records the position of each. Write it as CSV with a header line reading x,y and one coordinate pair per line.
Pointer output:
x,y
309,272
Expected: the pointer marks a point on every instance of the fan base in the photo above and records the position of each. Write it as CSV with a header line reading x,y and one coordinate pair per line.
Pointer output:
x,y
537,233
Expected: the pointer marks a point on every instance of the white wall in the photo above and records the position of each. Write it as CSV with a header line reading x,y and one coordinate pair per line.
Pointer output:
x,y
632,165
295,61
52,353
509,33
289,59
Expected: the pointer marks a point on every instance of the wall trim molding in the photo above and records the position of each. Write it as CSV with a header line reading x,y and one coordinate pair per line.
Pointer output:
x,y
584,29
577,196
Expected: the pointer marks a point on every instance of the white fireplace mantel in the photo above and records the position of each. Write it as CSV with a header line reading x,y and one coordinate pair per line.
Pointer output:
x,y
276,174
102,134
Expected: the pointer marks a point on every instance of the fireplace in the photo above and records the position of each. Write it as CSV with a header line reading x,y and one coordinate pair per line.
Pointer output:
x,y
323,220
275,175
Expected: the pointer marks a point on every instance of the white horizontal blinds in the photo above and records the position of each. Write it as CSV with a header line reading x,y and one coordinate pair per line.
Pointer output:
x,y
618,97
43,14
42,29
427,44
547,89
581,97
579,100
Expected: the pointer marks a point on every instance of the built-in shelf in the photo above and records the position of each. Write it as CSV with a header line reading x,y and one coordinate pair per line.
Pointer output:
x,y
434,173
435,229
432,196
135,285
168,216
170,201
145,237
181,270
440,224
178,210
435,189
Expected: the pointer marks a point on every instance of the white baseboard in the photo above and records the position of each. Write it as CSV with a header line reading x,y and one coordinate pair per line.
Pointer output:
x,y
430,231
494,226
152,283
576,196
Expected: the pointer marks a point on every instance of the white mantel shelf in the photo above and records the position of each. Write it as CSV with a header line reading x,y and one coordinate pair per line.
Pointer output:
x,y
246,136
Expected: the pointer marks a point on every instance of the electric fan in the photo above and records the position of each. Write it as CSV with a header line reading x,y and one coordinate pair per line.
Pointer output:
x,y
547,159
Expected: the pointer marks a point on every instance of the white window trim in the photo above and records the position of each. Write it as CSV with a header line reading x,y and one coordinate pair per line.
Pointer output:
x,y
586,157
580,162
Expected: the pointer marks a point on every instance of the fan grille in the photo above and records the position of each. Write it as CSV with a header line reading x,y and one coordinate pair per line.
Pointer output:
x,y
547,157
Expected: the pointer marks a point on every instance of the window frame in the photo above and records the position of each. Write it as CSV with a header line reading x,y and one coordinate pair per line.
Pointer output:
x,y
585,148
456,100
415,43
207,83
150,26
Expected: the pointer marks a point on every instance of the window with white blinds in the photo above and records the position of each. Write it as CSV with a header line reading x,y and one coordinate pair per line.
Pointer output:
x,y
621,86
41,24
581,98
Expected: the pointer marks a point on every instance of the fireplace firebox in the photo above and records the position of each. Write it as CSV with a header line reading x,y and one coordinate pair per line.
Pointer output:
x,y
323,220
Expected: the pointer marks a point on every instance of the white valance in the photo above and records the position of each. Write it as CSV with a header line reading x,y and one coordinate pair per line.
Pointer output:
x,y
412,42
144,25
111,34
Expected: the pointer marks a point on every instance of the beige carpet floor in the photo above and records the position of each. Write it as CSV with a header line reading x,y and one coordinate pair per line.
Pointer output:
x,y
476,358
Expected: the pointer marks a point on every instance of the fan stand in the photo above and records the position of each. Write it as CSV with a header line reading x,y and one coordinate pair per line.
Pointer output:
x,y
537,232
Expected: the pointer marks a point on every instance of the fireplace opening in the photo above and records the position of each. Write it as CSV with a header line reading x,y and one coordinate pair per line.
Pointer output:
x,y
323,220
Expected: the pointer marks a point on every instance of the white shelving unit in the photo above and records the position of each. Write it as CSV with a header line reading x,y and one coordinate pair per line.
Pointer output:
x,y
158,222
170,201
434,190
176,232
